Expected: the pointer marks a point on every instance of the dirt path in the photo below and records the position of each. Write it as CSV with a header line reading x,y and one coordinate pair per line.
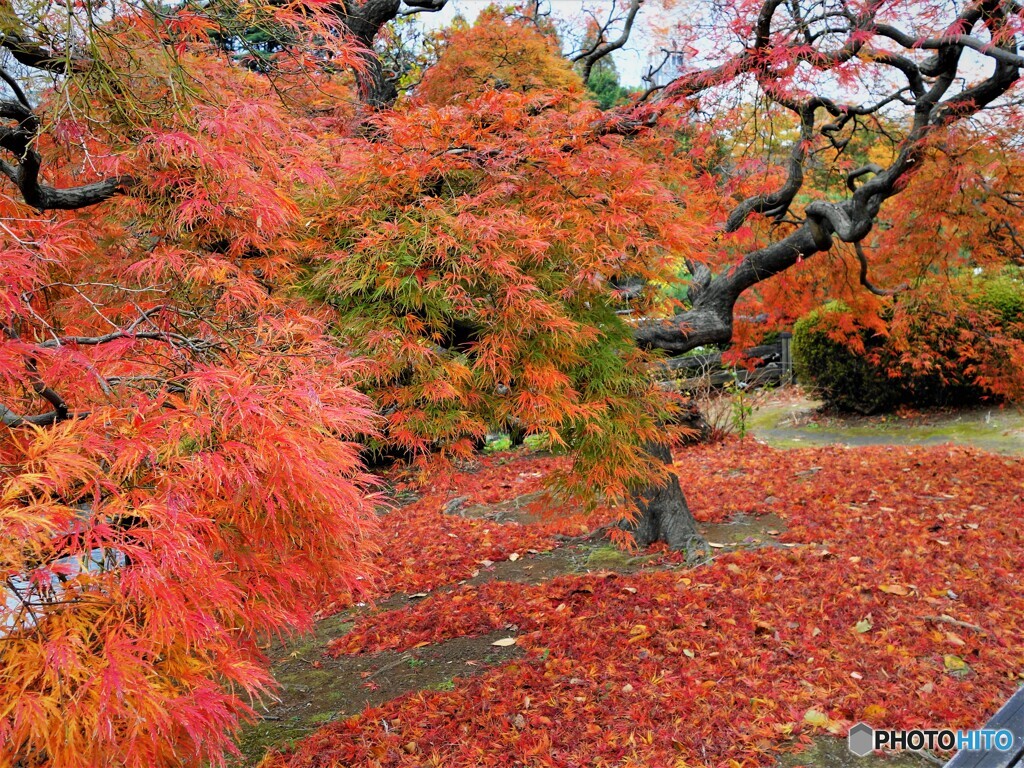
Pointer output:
x,y
317,688
790,421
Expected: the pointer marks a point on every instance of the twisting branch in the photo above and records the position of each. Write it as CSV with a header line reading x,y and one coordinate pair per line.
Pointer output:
x,y
863,259
601,46
19,140
651,76
710,317
777,203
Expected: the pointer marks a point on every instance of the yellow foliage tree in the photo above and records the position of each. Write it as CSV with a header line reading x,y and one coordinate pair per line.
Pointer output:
x,y
496,53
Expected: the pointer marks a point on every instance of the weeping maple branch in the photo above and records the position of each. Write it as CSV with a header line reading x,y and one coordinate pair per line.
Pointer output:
x,y
61,411
710,316
34,55
24,168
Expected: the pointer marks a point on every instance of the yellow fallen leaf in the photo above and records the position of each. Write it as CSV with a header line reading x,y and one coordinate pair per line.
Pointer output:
x,y
894,589
954,663
816,718
504,642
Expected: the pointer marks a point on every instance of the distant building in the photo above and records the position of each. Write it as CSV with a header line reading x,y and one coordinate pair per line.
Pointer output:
x,y
664,70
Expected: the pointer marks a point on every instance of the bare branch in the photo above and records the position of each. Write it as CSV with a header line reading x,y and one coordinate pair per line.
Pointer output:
x,y
1000,54
602,47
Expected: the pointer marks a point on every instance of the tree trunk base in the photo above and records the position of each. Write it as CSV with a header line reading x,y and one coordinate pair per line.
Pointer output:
x,y
665,516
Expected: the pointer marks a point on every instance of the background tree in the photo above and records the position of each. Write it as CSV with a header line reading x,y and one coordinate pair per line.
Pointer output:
x,y
605,87
496,53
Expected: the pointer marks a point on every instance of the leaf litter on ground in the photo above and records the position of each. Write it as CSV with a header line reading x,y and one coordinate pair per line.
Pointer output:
x,y
890,550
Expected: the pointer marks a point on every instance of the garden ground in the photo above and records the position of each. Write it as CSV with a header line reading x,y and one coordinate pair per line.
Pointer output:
x,y
788,419
845,584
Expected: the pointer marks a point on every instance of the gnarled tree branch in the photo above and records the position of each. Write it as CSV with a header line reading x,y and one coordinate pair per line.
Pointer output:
x,y
710,316
601,46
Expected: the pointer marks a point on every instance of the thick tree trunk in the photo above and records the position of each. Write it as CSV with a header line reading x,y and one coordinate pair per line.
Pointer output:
x,y
664,514
364,21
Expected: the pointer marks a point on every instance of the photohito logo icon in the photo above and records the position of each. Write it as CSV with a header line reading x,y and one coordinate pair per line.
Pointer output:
x,y
861,740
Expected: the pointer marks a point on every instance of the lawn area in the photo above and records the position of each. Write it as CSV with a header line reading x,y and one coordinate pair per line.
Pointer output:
x,y
788,418
878,584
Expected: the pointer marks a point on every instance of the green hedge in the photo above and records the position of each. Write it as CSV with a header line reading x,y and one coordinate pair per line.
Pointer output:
x,y
932,356
843,378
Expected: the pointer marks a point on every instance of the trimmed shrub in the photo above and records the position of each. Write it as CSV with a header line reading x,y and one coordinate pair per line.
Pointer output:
x,y
825,361
931,355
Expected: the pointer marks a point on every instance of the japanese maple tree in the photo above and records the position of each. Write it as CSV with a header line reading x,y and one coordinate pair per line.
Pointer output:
x,y
181,468
834,76
217,266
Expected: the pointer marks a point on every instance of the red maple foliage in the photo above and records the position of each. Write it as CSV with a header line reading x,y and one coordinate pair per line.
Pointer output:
x,y
181,466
